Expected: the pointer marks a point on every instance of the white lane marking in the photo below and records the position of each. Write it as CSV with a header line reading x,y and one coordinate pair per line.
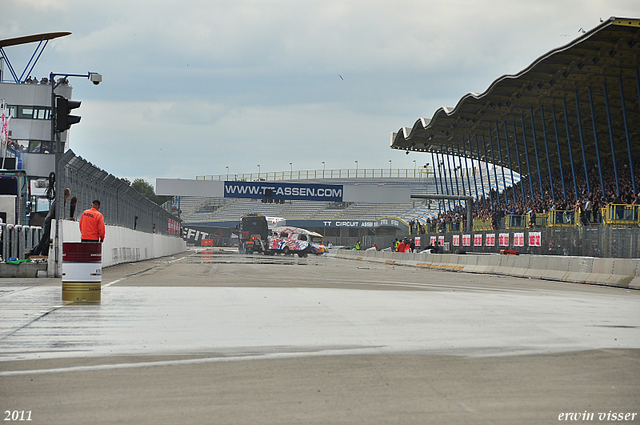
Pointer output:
x,y
183,362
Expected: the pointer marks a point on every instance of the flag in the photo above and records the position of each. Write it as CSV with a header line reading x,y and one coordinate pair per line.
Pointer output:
x,y
5,119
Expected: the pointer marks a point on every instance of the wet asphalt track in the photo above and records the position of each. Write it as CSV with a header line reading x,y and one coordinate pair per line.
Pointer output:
x,y
237,319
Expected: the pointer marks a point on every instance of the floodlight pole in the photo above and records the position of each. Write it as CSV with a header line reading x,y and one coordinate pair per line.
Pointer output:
x,y
55,138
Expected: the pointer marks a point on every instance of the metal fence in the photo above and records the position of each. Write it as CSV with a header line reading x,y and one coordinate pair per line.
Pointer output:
x,y
15,240
119,203
586,241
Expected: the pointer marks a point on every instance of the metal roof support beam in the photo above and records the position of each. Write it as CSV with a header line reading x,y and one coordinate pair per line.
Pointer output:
x,y
459,167
506,138
475,183
555,129
584,157
433,161
484,145
626,127
526,151
37,51
450,178
613,151
466,168
446,183
515,141
464,192
455,174
504,181
546,148
495,172
11,70
595,139
573,171
535,147
437,163
484,200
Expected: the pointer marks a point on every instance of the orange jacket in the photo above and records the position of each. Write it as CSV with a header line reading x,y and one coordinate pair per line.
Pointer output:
x,y
92,225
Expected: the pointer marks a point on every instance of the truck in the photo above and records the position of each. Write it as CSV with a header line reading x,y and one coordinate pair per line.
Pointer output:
x,y
257,236
253,233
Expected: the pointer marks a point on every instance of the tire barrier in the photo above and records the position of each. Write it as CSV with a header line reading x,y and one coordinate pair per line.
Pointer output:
x,y
619,272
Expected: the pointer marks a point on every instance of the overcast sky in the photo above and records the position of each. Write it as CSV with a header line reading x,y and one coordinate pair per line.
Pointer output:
x,y
195,86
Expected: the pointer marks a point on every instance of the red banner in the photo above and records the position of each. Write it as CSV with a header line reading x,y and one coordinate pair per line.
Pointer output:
x,y
490,239
535,239
518,239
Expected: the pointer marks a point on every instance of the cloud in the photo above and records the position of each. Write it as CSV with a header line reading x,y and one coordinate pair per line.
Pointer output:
x,y
192,87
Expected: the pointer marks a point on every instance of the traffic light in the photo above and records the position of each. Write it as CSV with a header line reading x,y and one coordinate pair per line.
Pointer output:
x,y
64,121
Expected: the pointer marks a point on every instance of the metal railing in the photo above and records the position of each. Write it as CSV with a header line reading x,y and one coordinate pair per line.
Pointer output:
x,y
562,218
513,221
482,224
361,173
621,215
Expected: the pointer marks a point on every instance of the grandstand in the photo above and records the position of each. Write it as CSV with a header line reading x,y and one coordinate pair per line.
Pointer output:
x,y
225,212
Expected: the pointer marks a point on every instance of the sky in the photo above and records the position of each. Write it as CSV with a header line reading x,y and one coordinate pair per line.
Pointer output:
x,y
202,87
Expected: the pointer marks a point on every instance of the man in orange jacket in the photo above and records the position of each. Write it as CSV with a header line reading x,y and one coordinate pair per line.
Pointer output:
x,y
92,224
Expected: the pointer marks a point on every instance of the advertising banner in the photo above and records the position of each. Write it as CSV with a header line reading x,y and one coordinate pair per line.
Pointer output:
x,y
456,240
477,240
466,240
518,239
490,239
271,190
503,239
535,239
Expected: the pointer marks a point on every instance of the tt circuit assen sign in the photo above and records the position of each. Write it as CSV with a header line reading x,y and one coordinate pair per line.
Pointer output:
x,y
304,192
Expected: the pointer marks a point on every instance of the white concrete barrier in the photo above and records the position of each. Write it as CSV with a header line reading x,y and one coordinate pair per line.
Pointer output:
x,y
121,245
600,271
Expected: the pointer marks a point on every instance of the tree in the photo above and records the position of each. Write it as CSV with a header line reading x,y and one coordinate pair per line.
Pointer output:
x,y
145,189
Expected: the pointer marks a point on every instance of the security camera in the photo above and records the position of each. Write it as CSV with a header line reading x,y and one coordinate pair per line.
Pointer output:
x,y
95,78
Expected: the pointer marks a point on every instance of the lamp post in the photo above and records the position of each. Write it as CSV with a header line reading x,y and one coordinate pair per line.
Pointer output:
x,y
227,167
356,168
96,79
258,171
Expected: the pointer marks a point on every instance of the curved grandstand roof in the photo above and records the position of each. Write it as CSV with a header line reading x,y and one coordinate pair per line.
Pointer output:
x,y
563,95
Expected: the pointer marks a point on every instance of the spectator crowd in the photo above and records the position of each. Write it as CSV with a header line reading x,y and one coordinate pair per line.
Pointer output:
x,y
554,195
